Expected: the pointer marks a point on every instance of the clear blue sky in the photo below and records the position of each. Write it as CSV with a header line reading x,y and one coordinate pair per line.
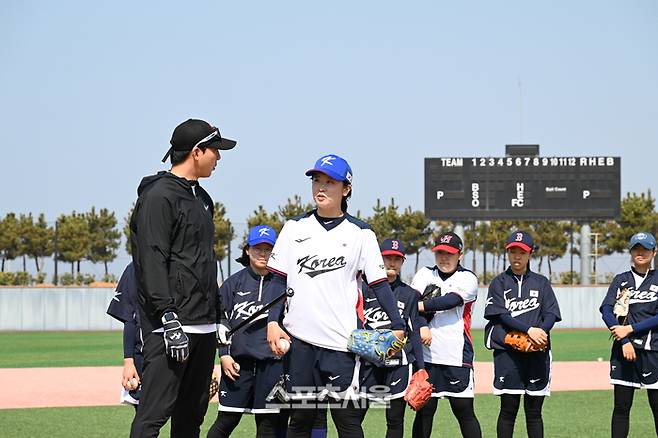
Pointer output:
x,y
89,93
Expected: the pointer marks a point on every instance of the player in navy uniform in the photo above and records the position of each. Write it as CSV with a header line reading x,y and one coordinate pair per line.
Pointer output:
x,y
321,255
630,310
449,356
395,376
520,300
172,239
123,307
249,369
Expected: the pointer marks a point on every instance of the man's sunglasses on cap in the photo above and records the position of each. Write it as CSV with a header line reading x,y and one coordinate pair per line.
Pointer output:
x,y
214,134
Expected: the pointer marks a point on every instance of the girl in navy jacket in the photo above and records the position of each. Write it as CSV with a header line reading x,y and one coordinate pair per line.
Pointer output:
x,y
630,310
520,300
249,368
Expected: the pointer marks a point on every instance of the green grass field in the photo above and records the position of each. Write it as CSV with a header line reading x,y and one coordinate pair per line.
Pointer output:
x,y
566,414
66,349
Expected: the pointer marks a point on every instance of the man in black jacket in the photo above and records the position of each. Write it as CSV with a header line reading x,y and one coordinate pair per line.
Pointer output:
x,y
172,236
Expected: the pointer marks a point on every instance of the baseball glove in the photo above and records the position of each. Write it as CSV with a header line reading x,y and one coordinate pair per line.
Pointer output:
x,y
375,345
419,390
522,342
214,385
622,301
431,291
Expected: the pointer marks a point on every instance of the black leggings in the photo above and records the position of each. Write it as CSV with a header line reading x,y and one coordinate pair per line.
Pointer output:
x,y
509,406
622,409
347,420
462,409
267,425
394,418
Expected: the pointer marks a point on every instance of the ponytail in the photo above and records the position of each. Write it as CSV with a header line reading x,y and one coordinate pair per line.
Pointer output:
x,y
343,202
244,258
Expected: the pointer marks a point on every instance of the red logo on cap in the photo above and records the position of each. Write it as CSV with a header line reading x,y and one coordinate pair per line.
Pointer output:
x,y
446,239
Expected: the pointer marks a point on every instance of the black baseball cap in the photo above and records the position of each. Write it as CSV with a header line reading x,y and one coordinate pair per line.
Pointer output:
x,y
449,242
195,132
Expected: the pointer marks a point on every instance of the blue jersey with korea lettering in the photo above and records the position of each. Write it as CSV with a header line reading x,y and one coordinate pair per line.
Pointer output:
x,y
643,304
123,305
376,318
527,297
323,263
242,295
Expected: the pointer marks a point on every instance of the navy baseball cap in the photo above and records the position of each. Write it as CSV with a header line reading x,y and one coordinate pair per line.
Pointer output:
x,y
392,247
334,167
521,239
194,132
261,234
449,242
645,239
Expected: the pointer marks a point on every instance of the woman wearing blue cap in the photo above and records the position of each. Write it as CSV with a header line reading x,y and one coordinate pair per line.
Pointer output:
x,y
523,301
630,310
321,256
249,368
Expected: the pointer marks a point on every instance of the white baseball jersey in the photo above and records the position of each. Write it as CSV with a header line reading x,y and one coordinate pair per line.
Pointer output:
x,y
323,268
452,343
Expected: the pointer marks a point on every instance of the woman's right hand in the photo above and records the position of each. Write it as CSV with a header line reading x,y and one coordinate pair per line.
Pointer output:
x,y
628,351
274,333
425,336
538,335
130,379
230,368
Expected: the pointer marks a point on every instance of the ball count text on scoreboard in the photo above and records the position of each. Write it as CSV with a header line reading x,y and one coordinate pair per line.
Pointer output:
x,y
523,188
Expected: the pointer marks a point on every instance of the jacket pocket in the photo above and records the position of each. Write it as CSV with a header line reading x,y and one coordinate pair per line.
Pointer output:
x,y
187,286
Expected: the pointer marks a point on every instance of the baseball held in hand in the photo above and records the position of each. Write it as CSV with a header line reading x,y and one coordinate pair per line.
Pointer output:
x,y
284,345
134,384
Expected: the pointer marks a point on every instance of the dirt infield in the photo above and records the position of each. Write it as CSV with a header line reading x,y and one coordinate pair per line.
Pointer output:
x,y
100,386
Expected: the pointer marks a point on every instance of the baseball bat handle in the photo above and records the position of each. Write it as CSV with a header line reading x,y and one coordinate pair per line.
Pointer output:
x,y
289,292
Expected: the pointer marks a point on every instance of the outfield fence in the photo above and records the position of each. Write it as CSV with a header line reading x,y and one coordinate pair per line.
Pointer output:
x,y
84,308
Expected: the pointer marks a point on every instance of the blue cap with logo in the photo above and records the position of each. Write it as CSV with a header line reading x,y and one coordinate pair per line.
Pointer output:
x,y
333,166
521,239
642,238
261,234
392,247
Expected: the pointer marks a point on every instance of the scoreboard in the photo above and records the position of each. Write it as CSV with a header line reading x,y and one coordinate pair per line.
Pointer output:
x,y
524,188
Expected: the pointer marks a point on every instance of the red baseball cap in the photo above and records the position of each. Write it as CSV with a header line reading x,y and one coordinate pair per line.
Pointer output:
x,y
449,242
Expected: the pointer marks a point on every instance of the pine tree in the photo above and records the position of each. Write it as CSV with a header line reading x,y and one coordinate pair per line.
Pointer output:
x,y
104,235
552,240
39,242
294,207
385,221
10,240
74,239
415,232
126,228
224,234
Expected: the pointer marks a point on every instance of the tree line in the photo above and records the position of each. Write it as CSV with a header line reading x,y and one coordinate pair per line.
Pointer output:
x,y
95,236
